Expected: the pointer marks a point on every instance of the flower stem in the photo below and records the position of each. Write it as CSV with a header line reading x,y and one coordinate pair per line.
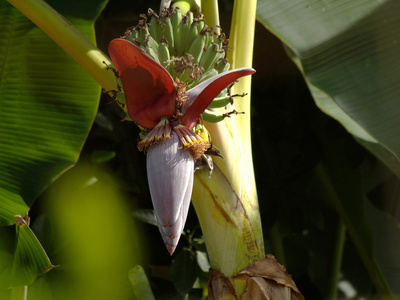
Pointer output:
x,y
226,203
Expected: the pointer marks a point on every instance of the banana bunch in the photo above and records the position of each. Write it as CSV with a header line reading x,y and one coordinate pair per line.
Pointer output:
x,y
187,48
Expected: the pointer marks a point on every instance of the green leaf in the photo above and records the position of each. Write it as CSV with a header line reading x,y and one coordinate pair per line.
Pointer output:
x,y
30,259
48,103
348,52
140,284
47,106
184,271
202,261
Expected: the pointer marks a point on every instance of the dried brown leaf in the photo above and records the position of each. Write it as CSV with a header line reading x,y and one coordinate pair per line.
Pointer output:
x,y
265,279
260,289
220,287
269,268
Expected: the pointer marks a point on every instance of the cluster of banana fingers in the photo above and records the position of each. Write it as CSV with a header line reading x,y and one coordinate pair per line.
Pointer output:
x,y
189,50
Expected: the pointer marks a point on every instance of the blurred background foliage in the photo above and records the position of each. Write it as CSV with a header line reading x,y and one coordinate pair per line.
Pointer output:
x,y
95,221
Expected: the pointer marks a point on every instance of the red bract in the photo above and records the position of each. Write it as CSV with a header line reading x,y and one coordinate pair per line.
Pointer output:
x,y
155,101
150,92
149,89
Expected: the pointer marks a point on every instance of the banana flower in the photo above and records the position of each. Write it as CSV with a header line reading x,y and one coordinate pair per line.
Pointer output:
x,y
157,102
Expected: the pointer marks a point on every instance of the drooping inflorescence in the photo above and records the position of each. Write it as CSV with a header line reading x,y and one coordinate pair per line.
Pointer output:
x,y
172,68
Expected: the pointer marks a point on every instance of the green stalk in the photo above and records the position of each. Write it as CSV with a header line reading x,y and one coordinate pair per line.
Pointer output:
x,y
226,204
70,39
337,254
336,260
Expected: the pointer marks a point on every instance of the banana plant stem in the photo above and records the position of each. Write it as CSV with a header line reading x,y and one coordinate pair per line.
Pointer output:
x,y
227,205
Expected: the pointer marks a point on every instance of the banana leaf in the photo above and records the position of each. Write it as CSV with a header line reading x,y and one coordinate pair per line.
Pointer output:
x,y
348,52
47,106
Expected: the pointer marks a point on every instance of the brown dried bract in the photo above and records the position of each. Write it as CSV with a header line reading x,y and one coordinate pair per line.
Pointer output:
x,y
265,280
